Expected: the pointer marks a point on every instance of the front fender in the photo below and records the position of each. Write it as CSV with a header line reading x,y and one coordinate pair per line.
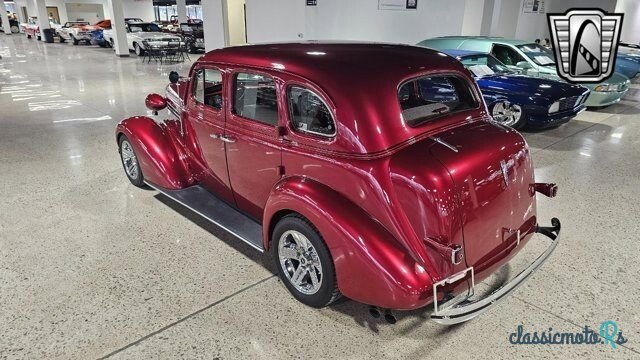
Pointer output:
x,y
371,267
160,153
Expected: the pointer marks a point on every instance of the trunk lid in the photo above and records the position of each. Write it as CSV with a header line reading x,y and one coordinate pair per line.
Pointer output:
x,y
492,174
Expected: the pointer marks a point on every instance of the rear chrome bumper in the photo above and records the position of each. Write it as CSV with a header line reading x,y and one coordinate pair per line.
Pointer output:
x,y
464,307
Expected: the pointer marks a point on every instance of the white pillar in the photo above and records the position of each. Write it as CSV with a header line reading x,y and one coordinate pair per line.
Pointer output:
x,y
181,6
215,24
119,28
5,18
43,16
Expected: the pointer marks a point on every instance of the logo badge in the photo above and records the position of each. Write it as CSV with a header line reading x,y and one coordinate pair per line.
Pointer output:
x,y
585,43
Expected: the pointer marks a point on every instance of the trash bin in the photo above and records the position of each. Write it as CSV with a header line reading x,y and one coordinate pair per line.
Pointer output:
x,y
49,34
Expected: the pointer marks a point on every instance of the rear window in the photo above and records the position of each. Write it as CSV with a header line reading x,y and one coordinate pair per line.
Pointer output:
x,y
429,97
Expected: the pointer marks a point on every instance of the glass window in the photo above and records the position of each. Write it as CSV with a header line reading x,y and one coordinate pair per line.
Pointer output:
x,y
207,88
143,27
255,98
429,97
506,55
484,64
538,54
309,113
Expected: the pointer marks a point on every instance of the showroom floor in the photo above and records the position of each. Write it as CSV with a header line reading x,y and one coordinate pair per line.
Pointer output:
x,y
92,267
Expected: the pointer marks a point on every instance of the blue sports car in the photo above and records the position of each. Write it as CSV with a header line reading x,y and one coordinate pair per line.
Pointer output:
x,y
522,101
97,38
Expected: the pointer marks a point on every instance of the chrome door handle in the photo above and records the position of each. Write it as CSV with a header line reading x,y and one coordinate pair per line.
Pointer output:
x,y
222,137
227,139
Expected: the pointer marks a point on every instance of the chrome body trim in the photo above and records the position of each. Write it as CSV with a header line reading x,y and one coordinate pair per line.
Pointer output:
x,y
445,144
463,308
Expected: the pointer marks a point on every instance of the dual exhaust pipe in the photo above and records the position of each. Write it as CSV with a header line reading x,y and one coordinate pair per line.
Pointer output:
x,y
376,313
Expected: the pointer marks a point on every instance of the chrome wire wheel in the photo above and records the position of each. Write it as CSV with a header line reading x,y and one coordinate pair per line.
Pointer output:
x,y
129,160
506,114
300,262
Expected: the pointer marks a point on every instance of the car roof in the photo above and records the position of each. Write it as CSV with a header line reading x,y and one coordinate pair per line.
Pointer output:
x,y
355,60
361,80
494,39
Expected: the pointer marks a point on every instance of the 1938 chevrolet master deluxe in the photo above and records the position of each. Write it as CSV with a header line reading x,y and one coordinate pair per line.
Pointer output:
x,y
333,157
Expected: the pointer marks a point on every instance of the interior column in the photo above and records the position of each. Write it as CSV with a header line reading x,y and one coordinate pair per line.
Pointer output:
x,y
119,29
43,16
5,18
181,7
216,35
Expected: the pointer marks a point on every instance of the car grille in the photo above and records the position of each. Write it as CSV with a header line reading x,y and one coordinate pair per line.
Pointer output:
x,y
571,102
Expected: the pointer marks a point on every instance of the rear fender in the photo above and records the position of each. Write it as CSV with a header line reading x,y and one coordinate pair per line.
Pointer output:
x,y
159,150
371,266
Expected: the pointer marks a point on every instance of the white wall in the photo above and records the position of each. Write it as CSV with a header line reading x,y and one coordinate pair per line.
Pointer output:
x,y
275,20
142,9
85,12
62,7
283,20
531,26
631,21
473,17
505,18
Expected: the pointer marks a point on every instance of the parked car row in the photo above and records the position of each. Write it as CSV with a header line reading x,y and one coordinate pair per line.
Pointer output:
x,y
139,33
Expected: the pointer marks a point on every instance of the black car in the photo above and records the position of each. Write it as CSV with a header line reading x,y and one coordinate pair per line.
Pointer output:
x,y
15,26
193,36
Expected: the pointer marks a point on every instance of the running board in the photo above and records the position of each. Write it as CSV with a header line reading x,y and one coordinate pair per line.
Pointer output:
x,y
202,202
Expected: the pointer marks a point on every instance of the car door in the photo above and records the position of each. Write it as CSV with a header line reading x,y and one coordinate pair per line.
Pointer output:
x,y
206,115
253,148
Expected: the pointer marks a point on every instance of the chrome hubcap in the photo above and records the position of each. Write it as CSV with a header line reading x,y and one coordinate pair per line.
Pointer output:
x,y
129,160
506,114
300,262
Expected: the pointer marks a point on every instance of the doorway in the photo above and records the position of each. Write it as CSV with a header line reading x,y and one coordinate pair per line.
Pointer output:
x,y
54,15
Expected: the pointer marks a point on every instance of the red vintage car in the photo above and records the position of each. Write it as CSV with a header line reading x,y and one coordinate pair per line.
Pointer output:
x,y
371,171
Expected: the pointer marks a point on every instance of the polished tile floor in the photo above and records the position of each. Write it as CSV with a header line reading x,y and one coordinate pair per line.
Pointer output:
x,y
92,267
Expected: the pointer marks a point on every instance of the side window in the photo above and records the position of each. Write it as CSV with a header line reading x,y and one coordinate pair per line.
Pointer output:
x,y
255,98
506,55
309,113
429,97
207,88
198,86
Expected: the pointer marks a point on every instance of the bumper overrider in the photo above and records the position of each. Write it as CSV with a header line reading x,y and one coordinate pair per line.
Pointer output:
x,y
465,307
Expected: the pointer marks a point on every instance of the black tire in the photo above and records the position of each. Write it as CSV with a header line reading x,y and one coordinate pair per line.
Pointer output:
x,y
139,51
62,40
328,291
522,123
28,36
138,180
75,41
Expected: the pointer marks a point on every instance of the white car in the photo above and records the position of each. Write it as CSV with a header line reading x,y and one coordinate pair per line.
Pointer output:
x,y
74,31
32,29
140,33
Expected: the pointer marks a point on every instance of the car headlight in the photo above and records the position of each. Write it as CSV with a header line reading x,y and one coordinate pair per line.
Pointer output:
x,y
606,88
554,107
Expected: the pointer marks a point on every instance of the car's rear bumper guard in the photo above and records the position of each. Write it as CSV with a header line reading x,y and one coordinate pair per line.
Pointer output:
x,y
463,307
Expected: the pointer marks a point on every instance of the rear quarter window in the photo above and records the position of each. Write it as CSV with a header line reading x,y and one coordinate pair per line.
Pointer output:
x,y
429,97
